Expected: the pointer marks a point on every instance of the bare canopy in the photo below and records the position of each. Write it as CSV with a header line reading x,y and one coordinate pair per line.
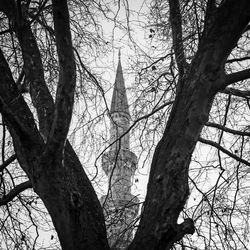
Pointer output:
x,y
40,141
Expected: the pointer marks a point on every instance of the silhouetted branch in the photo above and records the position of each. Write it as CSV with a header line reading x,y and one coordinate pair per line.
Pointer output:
x,y
237,76
14,192
7,162
67,78
228,130
236,92
225,151
176,25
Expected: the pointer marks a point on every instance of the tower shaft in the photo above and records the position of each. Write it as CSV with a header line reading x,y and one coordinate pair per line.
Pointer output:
x,y
119,164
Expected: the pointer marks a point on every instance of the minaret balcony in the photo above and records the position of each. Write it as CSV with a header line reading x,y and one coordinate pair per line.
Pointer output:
x,y
122,158
130,203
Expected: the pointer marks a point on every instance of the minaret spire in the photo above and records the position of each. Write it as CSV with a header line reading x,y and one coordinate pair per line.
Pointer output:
x,y
119,111
119,164
119,99
119,55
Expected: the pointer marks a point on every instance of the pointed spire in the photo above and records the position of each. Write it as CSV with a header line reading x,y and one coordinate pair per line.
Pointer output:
x,y
119,99
119,164
119,55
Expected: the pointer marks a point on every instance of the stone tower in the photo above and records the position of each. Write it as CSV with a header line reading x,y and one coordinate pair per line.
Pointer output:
x,y
119,163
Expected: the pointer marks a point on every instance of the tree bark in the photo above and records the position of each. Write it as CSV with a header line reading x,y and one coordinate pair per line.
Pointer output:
x,y
51,164
167,189
65,190
57,176
72,203
168,183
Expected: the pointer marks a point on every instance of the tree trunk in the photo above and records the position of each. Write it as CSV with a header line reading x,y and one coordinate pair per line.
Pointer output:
x,y
198,83
168,184
62,185
53,167
72,203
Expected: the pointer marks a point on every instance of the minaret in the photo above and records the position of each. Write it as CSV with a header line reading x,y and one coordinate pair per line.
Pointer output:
x,y
119,163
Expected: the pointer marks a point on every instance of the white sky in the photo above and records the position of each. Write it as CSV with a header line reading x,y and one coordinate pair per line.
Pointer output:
x,y
121,40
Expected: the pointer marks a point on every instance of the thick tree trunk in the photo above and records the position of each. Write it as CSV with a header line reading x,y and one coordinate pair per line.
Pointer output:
x,y
72,203
168,184
62,185
55,171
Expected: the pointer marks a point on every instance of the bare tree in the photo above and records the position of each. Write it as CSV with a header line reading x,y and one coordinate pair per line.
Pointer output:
x,y
204,37
209,40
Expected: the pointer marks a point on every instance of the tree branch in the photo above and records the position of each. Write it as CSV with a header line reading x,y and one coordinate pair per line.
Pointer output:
x,y
33,67
236,92
186,227
93,78
19,119
176,25
225,151
7,162
8,6
237,76
13,107
12,119
14,192
220,36
67,77
209,16
228,130
238,59
231,20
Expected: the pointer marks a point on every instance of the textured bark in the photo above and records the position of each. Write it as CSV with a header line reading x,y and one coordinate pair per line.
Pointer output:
x,y
72,203
51,164
65,190
167,189
56,176
168,183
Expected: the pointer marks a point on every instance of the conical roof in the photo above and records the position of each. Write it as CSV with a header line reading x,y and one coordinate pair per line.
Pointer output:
x,y
119,99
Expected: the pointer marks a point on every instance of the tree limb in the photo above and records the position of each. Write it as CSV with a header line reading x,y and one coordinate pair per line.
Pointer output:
x,y
231,20
13,107
8,6
209,16
236,92
238,59
220,37
225,151
186,227
18,117
228,130
176,25
7,162
33,67
67,77
14,192
93,78
12,119
237,76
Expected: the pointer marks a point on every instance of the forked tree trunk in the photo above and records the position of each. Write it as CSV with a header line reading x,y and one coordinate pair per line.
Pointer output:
x,y
72,204
58,177
63,186
167,189
168,184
